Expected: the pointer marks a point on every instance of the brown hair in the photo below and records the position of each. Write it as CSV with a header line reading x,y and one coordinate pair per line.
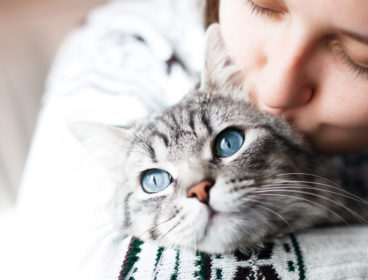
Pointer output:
x,y
211,12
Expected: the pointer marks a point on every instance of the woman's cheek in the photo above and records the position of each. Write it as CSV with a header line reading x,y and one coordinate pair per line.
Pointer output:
x,y
242,34
343,99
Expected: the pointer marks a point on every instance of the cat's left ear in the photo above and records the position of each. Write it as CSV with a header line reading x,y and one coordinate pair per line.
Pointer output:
x,y
103,141
219,71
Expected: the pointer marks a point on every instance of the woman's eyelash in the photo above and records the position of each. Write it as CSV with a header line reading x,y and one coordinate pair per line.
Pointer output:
x,y
335,46
258,10
354,67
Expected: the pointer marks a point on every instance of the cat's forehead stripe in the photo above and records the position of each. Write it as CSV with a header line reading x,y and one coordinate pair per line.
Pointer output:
x,y
162,136
174,125
174,120
152,153
206,123
191,120
165,122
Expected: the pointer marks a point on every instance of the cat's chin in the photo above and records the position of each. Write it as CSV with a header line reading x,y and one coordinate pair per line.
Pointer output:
x,y
222,235
215,243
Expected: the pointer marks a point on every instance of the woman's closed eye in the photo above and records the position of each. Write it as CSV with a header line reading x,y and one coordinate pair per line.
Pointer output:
x,y
258,9
338,50
345,50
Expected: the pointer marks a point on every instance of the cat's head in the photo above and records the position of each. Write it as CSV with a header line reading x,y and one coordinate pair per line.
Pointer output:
x,y
191,176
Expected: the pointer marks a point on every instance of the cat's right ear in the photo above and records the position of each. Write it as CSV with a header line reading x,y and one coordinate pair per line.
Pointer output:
x,y
219,71
103,141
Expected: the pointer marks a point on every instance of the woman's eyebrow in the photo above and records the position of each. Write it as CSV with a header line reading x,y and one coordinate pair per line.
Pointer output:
x,y
359,37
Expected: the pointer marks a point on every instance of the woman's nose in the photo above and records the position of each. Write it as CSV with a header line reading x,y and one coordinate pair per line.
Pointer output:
x,y
284,80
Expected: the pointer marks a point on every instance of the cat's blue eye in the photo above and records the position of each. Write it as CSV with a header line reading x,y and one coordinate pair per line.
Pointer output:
x,y
228,142
155,180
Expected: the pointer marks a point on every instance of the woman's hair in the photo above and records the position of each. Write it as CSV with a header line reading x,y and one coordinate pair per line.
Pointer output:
x,y
211,12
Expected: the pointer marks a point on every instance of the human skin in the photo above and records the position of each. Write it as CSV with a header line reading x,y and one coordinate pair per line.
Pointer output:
x,y
301,61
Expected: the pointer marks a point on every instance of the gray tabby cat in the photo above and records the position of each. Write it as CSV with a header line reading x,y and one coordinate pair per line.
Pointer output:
x,y
212,173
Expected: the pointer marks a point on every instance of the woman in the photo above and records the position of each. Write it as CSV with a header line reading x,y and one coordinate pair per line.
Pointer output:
x,y
306,61
129,60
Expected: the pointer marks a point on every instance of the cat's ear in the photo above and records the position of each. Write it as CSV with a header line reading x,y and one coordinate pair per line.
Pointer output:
x,y
219,71
102,141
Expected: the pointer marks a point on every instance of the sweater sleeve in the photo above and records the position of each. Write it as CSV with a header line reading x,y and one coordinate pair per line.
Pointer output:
x,y
118,66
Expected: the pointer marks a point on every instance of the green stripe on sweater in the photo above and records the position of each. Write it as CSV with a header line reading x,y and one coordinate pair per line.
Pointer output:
x,y
299,257
131,258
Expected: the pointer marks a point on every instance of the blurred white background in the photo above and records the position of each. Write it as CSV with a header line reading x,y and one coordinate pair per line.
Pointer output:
x,y
30,33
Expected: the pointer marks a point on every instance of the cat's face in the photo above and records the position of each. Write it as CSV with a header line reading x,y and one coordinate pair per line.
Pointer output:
x,y
193,176
198,175
190,176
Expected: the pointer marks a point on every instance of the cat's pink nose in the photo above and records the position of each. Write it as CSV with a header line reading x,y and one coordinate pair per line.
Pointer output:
x,y
201,191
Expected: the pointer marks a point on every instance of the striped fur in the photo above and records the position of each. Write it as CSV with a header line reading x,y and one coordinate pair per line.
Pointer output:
x,y
273,185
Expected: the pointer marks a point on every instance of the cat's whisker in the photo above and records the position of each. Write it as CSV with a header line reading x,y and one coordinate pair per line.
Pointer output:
x,y
307,187
353,213
170,230
144,142
298,186
309,201
158,225
322,190
301,182
260,204
337,187
309,174
311,185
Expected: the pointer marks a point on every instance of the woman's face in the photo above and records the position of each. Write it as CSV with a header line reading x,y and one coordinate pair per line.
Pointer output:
x,y
306,60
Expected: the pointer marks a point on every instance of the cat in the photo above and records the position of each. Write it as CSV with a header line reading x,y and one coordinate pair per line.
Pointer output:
x,y
212,173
